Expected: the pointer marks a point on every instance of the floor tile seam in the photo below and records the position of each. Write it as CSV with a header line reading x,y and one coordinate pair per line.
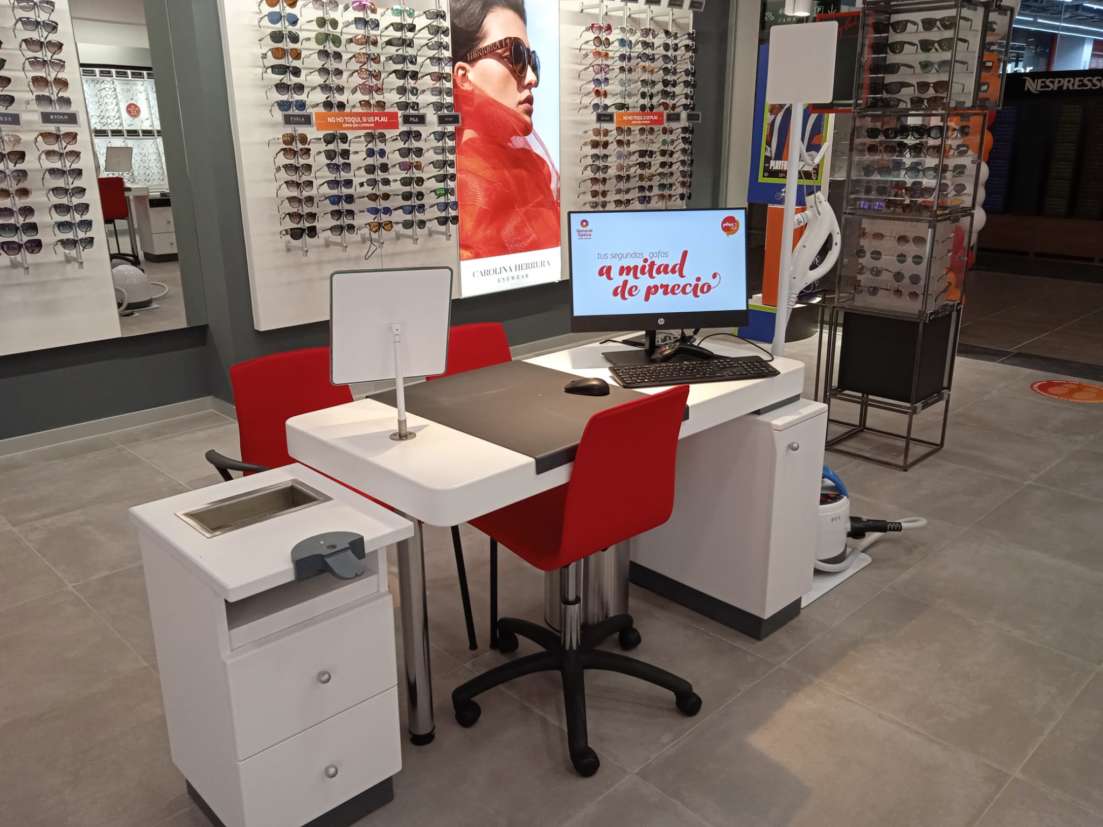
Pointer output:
x,y
103,619
1081,318
984,813
677,742
994,624
173,817
1058,490
1053,725
949,459
156,467
103,450
684,805
913,728
1061,795
601,798
1089,668
114,435
136,564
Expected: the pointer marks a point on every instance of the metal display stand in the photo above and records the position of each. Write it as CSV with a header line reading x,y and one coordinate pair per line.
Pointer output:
x,y
914,172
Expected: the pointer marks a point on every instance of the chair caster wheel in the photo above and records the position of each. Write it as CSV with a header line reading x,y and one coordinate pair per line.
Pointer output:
x,y
467,713
688,704
585,762
507,642
629,638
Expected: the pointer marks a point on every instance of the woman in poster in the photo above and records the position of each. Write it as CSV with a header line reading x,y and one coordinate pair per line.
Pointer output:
x,y
508,187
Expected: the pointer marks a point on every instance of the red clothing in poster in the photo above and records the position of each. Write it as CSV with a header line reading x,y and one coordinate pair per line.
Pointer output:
x,y
507,190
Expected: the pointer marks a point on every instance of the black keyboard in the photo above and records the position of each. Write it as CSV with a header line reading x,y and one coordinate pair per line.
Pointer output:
x,y
719,369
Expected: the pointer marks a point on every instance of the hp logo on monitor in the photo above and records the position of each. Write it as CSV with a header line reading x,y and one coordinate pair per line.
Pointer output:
x,y
661,321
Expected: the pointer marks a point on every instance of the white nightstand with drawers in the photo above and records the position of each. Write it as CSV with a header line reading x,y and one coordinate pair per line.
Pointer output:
x,y
280,694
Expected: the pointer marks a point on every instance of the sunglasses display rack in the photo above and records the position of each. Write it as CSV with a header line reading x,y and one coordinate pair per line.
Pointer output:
x,y
122,110
912,177
51,234
628,104
346,143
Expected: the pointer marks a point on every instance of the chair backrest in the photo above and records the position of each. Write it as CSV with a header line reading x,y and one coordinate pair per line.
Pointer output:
x,y
472,346
113,198
270,390
622,483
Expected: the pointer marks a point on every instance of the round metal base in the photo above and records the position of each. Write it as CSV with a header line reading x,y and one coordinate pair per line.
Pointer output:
x,y
397,437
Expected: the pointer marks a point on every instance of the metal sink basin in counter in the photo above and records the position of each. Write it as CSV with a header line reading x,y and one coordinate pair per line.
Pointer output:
x,y
252,507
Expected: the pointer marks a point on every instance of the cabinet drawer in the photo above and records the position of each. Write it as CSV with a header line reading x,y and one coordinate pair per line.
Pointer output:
x,y
160,220
294,782
294,681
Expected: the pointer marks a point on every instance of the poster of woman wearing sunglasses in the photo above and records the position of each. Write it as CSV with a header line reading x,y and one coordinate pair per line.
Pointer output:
x,y
505,75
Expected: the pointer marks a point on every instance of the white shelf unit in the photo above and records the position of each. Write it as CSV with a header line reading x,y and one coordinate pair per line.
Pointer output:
x,y
280,694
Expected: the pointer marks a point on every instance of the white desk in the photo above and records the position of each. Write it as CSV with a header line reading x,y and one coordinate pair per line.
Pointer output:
x,y
445,477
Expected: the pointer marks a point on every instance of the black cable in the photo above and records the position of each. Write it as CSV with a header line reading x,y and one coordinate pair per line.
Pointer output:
x,y
742,339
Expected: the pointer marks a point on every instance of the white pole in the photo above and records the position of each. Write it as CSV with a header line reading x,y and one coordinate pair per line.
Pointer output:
x,y
784,275
399,388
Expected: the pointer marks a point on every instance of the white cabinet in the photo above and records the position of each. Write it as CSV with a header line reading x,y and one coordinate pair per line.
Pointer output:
x,y
740,546
280,694
152,213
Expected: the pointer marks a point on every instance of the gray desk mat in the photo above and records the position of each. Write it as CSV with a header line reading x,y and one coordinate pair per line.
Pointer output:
x,y
517,405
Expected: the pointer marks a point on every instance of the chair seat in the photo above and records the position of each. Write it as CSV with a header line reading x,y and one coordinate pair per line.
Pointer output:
x,y
531,529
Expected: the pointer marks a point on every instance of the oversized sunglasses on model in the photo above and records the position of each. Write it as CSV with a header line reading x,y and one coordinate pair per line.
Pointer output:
x,y
518,56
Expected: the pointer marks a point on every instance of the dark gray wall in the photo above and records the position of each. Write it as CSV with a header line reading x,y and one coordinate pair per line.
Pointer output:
x,y
52,388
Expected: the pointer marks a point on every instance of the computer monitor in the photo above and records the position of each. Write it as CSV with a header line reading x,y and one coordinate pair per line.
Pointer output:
x,y
658,269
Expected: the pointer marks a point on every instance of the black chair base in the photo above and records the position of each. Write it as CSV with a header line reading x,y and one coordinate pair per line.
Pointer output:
x,y
571,665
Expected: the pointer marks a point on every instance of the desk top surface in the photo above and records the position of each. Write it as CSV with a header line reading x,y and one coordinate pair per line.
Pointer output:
x,y
446,477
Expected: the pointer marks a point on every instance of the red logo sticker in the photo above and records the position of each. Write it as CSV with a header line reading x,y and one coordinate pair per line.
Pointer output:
x,y
730,225
133,110
1063,389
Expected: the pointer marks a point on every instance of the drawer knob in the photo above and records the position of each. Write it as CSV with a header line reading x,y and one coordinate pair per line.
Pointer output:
x,y
794,446
331,771
324,677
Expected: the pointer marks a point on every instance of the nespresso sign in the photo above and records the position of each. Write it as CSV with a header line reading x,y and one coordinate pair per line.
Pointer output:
x,y
1042,84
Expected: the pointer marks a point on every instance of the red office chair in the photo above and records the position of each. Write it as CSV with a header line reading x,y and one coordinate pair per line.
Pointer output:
x,y
114,206
557,529
270,390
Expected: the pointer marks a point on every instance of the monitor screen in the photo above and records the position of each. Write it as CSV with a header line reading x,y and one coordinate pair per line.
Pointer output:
x,y
658,269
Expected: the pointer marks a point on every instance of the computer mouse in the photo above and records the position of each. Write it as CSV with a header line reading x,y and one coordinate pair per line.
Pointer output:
x,y
588,387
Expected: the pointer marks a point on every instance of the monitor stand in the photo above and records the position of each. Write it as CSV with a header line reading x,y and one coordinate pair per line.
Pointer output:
x,y
685,352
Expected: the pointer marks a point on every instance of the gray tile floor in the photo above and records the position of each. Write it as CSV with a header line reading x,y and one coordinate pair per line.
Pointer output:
x,y
1057,318
955,681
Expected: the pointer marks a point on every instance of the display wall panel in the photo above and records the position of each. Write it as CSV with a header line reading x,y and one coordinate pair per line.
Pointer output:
x,y
628,128
290,263
55,277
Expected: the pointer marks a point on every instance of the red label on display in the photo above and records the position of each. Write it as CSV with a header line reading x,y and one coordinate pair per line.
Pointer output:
x,y
640,119
133,110
355,121
730,225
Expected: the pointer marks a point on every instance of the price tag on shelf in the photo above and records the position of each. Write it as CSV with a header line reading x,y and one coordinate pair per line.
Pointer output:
x,y
414,119
59,118
448,119
639,118
693,117
675,4
604,117
298,119
355,121
10,119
